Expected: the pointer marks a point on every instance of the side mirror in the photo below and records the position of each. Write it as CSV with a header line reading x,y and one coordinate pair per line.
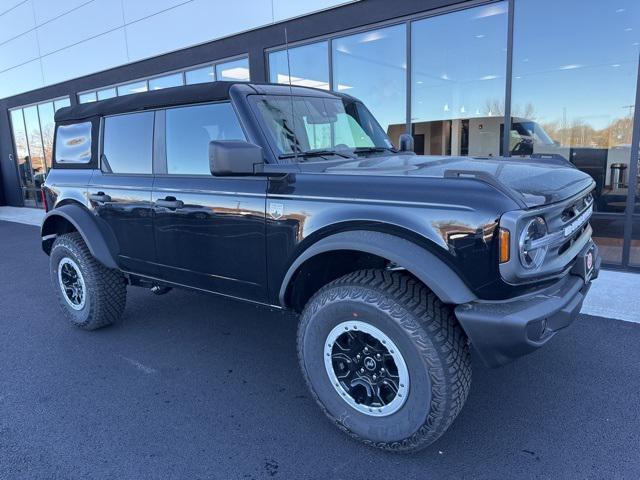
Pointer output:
x,y
234,157
406,143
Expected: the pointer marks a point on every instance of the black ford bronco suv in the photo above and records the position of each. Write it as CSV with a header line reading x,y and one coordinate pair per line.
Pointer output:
x,y
295,198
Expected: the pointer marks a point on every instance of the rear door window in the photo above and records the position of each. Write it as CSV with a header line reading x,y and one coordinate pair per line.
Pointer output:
x,y
189,131
128,143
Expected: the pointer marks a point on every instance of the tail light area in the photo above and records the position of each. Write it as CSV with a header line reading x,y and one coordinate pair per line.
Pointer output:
x,y
43,197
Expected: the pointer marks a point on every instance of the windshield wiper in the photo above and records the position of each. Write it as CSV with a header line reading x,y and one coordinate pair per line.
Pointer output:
x,y
316,153
374,149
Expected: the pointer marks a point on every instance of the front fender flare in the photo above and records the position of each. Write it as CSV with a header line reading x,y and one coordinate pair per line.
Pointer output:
x,y
96,234
425,265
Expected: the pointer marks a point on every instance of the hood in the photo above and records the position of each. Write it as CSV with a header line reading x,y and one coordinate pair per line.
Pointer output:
x,y
531,183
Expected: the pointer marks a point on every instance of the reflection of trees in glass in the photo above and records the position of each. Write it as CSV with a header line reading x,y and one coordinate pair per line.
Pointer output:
x,y
579,133
47,140
21,147
576,132
496,108
35,144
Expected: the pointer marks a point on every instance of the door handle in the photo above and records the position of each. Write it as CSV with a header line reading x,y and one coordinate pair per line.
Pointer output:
x,y
169,202
100,197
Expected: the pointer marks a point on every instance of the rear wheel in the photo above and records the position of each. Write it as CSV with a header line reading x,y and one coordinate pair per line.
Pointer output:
x,y
90,295
385,359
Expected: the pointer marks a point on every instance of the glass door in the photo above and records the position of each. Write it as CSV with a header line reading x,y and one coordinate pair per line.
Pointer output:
x,y
22,158
33,128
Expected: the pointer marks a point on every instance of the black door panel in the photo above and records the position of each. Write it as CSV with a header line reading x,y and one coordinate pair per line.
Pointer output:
x,y
124,202
210,233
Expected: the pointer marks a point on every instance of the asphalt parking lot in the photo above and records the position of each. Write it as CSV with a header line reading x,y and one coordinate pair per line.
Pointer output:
x,y
194,386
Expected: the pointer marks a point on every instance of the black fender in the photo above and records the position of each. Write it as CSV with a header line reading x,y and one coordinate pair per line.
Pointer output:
x,y
94,231
425,265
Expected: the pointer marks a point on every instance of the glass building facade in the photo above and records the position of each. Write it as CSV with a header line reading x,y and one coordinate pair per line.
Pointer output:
x,y
32,127
233,70
454,79
528,79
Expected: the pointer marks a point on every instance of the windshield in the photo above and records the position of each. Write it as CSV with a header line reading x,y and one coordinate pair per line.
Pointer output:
x,y
299,125
534,131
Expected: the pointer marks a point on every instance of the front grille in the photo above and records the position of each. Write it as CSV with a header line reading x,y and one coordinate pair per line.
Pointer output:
x,y
576,208
568,233
576,237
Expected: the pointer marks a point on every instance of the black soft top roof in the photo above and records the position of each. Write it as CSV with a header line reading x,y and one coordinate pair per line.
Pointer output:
x,y
168,97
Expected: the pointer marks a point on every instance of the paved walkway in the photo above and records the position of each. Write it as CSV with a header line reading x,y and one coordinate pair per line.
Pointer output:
x,y
29,216
614,295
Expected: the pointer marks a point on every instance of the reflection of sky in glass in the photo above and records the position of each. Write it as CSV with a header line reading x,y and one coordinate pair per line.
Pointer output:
x,y
63,102
575,62
19,136
309,66
135,87
371,66
107,93
199,75
458,64
87,97
234,70
173,80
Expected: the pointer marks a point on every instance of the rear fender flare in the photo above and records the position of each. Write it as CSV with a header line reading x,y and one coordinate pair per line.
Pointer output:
x,y
94,231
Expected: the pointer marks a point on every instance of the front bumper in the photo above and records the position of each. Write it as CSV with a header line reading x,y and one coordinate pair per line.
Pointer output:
x,y
502,331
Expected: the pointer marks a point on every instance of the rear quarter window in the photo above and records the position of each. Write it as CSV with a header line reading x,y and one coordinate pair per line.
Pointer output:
x,y
73,143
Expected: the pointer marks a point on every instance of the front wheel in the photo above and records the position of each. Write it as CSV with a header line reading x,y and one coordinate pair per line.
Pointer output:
x,y
90,294
386,361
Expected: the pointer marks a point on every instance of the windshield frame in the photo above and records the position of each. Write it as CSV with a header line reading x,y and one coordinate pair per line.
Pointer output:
x,y
289,157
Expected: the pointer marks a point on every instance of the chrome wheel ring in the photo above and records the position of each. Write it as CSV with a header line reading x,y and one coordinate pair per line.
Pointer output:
x,y
366,368
71,282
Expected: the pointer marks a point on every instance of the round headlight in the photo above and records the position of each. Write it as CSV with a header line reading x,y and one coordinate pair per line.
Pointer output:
x,y
532,256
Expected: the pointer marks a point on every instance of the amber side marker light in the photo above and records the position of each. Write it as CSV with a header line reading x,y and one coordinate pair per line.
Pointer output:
x,y
504,245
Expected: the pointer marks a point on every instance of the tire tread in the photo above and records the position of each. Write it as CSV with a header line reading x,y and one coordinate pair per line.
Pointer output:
x,y
437,334
109,285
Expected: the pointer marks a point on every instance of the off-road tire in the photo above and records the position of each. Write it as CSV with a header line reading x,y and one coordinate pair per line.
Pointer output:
x,y
106,290
426,332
